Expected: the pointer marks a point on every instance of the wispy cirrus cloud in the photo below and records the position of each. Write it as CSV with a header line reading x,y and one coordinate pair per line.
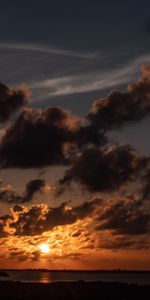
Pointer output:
x,y
90,81
51,50
53,72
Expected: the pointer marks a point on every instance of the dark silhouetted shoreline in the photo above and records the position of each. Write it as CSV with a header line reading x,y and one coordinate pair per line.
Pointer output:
x,y
73,290
78,270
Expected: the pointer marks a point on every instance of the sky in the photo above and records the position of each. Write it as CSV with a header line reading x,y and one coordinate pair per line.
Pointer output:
x,y
74,134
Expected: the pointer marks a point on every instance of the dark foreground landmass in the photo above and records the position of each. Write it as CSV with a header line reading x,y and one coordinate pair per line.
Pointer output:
x,y
73,290
4,274
79,271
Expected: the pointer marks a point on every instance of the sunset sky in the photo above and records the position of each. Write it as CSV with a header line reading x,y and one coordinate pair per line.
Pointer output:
x,y
74,134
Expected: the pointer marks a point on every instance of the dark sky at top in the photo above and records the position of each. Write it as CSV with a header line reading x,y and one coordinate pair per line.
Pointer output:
x,y
83,25
70,53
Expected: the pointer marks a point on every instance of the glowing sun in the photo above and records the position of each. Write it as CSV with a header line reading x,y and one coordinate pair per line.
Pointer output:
x,y
44,248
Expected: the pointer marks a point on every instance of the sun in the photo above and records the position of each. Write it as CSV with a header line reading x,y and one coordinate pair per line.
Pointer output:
x,y
44,248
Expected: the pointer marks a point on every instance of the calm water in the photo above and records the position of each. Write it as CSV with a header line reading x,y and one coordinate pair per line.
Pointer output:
x,y
48,276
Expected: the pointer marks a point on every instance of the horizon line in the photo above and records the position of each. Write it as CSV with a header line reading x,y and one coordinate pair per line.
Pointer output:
x,y
75,270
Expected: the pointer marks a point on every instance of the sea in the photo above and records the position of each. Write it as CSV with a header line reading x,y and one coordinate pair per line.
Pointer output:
x,y
44,276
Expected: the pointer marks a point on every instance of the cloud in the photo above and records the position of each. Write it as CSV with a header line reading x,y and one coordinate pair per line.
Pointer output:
x,y
131,242
36,219
33,187
120,108
104,170
89,81
8,195
130,217
109,168
39,138
145,190
4,220
54,136
12,100
119,223
81,83
51,50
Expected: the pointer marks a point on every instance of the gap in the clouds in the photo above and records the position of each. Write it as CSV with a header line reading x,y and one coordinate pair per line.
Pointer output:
x,y
136,135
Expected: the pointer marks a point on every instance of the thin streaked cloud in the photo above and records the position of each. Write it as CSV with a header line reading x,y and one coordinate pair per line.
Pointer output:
x,y
51,50
91,81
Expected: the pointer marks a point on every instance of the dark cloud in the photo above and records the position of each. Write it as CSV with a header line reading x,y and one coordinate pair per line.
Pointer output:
x,y
128,217
53,136
19,255
33,187
8,195
85,209
121,108
117,243
38,219
37,138
11,100
90,134
76,233
17,208
104,170
146,185
125,242
2,231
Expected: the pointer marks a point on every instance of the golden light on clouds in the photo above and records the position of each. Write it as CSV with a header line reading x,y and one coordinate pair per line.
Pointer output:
x,y
74,246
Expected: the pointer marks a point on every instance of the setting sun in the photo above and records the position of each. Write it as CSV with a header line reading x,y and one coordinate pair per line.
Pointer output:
x,y
44,248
